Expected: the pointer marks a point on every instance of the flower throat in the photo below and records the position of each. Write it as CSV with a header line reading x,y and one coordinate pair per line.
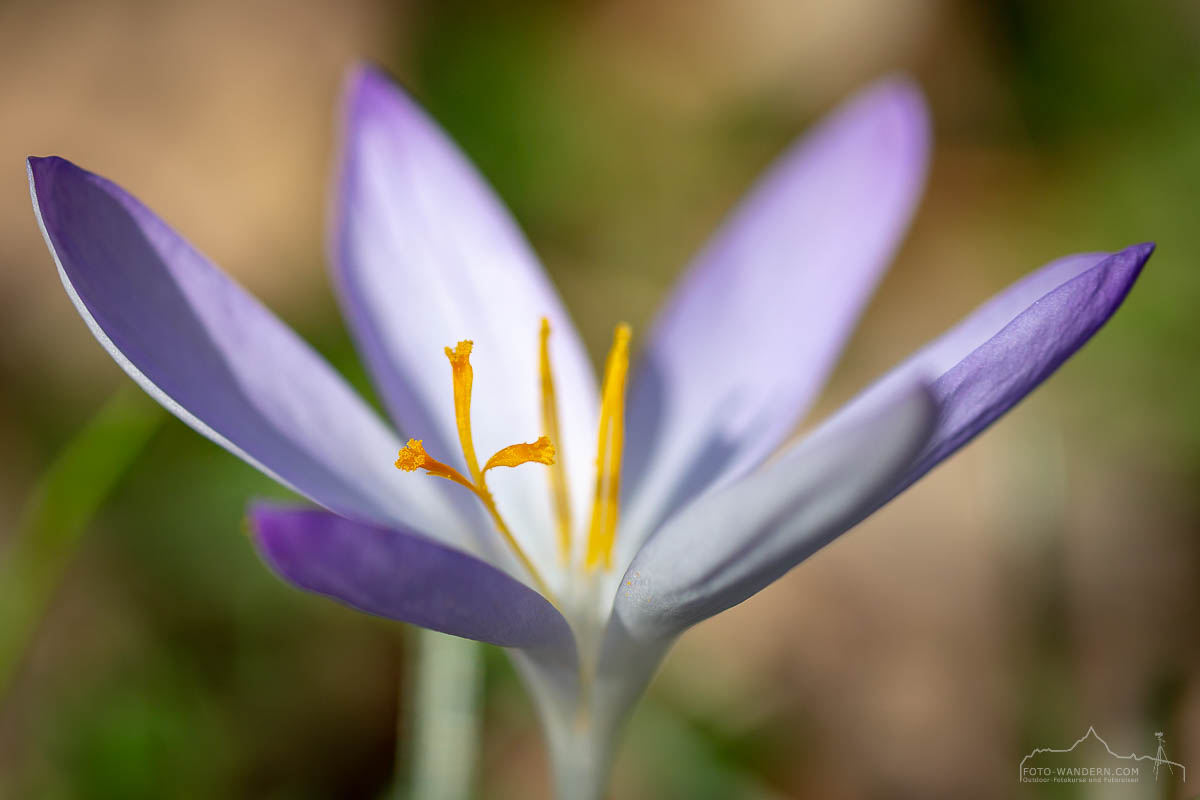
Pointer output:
x,y
602,529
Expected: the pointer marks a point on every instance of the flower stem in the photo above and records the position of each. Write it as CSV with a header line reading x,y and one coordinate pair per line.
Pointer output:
x,y
446,726
581,765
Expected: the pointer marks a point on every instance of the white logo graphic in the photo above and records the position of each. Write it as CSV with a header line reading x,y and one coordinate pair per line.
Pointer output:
x,y
1105,774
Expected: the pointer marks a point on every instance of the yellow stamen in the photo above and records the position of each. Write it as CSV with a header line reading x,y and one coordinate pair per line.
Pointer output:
x,y
414,457
602,532
558,477
464,378
540,452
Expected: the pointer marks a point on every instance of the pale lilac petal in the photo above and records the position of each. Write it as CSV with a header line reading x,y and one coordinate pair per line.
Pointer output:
x,y
748,339
426,255
395,574
735,540
988,362
218,359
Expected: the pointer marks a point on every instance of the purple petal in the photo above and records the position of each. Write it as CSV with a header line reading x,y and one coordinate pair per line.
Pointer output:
x,y
735,540
988,362
425,255
747,341
394,574
732,542
215,357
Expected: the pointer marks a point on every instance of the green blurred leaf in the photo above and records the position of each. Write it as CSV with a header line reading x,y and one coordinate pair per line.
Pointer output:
x,y
67,498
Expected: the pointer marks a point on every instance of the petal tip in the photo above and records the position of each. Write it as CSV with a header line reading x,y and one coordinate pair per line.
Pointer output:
x,y
893,116
46,179
41,168
41,172
1141,252
274,534
259,522
898,99
43,162
364,77
1126,265
369,90
258,511
264,518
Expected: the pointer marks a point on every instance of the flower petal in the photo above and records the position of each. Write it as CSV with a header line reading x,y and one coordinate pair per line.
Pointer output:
x,y
216,358
425,255
988,362
979,369
748,339
735,540
401,576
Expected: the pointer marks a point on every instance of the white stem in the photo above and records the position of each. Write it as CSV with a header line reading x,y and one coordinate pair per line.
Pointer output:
x,y
581,762
583,709
446,728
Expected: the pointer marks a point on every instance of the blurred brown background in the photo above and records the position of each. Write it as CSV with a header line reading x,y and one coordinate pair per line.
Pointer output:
x,y
1044,581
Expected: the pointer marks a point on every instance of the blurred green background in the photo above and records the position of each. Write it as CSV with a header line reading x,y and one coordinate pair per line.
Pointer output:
x,y
1044,581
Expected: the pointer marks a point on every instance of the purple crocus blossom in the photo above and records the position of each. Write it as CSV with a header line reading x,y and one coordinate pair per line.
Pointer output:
x,y
425,255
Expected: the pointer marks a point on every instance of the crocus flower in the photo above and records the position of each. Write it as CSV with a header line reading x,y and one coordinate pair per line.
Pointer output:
x,y
690,499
